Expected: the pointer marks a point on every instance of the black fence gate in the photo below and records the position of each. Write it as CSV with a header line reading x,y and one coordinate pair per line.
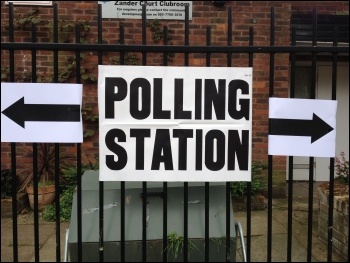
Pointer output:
x,y
165,49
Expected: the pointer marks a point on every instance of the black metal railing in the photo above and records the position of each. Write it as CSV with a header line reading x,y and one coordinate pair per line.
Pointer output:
x,y
164,49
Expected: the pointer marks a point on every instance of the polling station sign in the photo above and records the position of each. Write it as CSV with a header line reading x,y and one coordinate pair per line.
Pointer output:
x,y
189,124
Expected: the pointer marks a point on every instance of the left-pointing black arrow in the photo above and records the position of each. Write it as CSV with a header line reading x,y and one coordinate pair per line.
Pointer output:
x,y
315,128
20,112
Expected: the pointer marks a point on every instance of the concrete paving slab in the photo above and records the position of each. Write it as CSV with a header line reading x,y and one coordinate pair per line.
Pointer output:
x,y
46,252
259,223
26,248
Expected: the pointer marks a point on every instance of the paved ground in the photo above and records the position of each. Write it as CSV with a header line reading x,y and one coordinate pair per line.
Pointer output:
x,y
280,228
47,239
258,239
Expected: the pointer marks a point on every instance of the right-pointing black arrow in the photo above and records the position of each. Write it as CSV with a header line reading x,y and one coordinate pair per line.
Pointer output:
x,y
315,128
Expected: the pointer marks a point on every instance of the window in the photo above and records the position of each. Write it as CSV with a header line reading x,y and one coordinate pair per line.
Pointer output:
x,y
302,82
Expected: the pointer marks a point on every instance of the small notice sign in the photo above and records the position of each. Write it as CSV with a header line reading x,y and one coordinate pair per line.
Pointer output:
x,y
154,9
29,2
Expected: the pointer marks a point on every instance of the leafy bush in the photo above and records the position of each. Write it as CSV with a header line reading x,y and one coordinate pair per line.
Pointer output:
x,y
257,185
6,183
66,197
66,200
342,168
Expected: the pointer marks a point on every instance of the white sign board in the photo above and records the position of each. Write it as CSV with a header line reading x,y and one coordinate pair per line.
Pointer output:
x,y
175,123
41,112
154,9
302,127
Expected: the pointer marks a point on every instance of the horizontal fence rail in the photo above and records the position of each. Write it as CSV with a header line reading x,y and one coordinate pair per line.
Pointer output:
x,y
173,48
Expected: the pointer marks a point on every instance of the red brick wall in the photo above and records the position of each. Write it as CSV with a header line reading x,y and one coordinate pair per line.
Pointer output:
x,y
246,14
322,7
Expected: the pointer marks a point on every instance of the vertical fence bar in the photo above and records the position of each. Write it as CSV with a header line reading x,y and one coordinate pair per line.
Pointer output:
x,y
249,184
187,33
290,159
270,157
331,161
249,207
55,40
330,210
310,206
186,63
185,245
228,184
229,34
290,209
14,202
144,28
144,221
334,64
13,146
35,163
122,221
12,52
272,54
57,202
79,187
206,231
165,221
311,159
99,31
207,55
36,213
101,213
121,37
122,183
57,169
165,184
79,204
228,221
101,183
144,184
206,197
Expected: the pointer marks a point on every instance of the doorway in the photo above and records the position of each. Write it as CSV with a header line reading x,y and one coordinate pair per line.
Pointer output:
x,y
323,91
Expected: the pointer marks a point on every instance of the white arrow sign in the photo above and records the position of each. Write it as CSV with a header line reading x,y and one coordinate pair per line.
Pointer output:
x,y
41,112
302,127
